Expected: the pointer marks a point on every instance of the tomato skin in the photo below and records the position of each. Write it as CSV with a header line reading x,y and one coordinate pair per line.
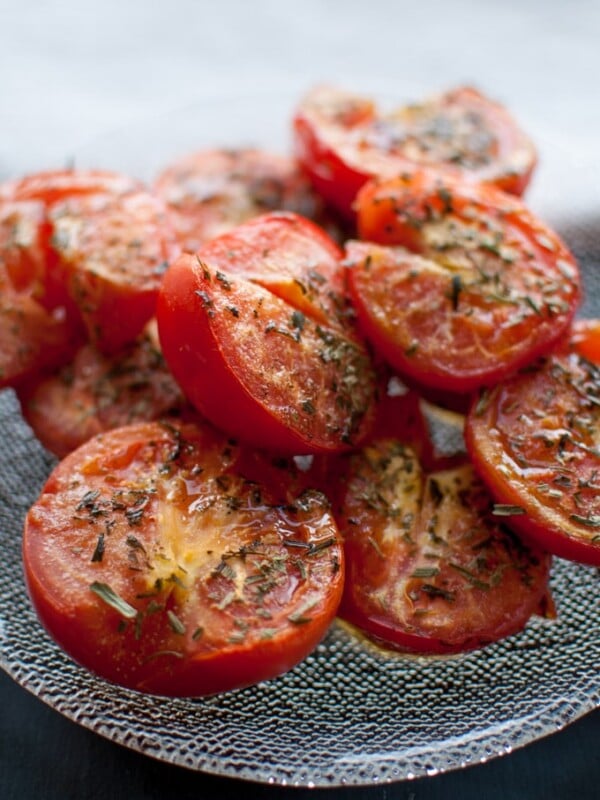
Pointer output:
x,y
205,563
342,141
256,369
95,393
534,441
212,191
485,289
428,568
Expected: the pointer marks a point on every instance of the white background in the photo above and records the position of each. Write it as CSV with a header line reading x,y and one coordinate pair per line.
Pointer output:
x,y
71,71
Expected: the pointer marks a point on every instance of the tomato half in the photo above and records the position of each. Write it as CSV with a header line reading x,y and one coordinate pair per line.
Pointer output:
x,y
260,369
429,568
535,441
112,251
256,330
106,242
342,140
210,192
95,393
486,289
154,561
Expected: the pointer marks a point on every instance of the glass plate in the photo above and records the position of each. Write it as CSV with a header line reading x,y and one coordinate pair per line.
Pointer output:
x,y
348,714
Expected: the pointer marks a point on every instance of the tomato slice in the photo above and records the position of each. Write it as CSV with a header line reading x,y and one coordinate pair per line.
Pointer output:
x,y
212,191
290,257
429,568
535,441
96,393
486,289
343,140
112,251
260,369
155,562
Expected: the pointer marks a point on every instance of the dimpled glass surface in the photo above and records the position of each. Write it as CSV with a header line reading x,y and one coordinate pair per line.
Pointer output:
x,y
349,714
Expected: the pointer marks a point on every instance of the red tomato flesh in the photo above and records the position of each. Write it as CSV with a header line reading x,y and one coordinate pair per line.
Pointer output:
x,y
585,338
342,140
535,441
155,562
483,288
429,568
290,257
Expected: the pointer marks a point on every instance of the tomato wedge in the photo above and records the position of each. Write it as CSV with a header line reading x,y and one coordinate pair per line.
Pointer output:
x,y
154,561
257,334
429,568
210,192
95,393
342,140
486,288
535,441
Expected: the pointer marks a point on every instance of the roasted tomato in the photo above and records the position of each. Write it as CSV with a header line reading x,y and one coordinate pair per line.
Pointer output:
x,y
210,192
429,567
535,442
486,289
342,140
154,561
258,366
112,251
95,393
106,244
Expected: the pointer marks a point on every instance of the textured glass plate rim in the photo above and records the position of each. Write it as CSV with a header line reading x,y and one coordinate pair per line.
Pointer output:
x,y
100,706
